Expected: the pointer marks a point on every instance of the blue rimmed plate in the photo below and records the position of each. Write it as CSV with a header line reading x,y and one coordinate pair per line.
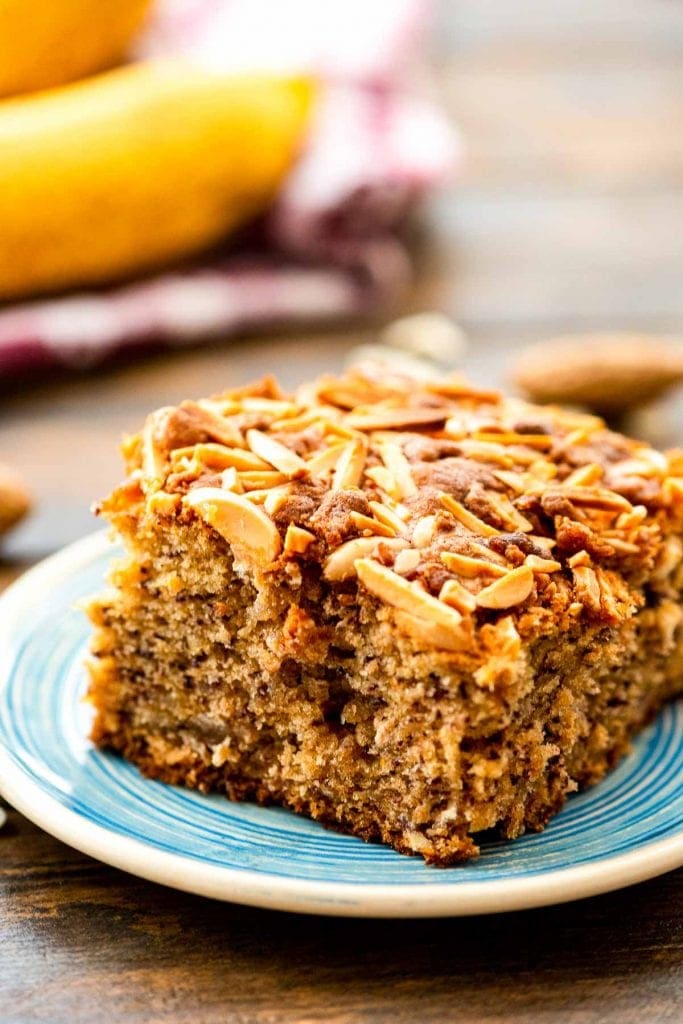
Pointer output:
x,y
628,828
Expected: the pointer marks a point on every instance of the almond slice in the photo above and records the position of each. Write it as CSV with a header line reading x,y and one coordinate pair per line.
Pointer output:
x,y
584,476
325,460
297,540
263,479
275,498
349,469
204,417
230,480
387,516
407,561
153,457
431,634
396,417
508,437
276,454
595,497
423,532
273,406
514,481
457,596
395,461
467,518
248,530
391,588
363,523
340,565
537,564
464,565
219,456
509,590
385,480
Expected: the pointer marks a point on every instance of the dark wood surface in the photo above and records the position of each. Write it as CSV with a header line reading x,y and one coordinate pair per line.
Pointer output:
x,y
568,216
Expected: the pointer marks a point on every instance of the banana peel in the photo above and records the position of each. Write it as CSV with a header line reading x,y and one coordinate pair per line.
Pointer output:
x,y
44,43
131,169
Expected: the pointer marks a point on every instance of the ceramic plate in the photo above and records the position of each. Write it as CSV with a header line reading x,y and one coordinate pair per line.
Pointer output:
x,y
628,828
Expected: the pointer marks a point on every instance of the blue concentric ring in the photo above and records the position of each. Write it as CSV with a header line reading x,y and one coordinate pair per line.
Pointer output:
x,y
85,795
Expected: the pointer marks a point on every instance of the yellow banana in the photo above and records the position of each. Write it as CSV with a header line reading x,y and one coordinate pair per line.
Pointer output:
x,y
50,42
136,167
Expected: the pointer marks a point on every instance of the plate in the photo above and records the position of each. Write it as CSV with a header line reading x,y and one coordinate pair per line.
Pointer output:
x,y
626,829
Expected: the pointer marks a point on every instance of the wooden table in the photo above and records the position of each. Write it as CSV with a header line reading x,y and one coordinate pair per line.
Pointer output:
x,y
569,216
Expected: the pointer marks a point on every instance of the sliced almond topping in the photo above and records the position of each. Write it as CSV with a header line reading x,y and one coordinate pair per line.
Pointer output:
x,y
349,469
455,429
292,424
340,565
627,520
510,437
391,588
541,469
482,452
512,480
248,530
423,531
587,587
584,476
459,388
373,525
594,497
255,480
395,461
271,406
387,516
457,596
669,557
297,540
507,512
466,517
230,480
274,498
153,457
219,456
464,565
325,460
381,476
672,490
276,454
162,503
580,558
394,417
509,590
219,406
207,418
406,561
537,564
624,547
431,634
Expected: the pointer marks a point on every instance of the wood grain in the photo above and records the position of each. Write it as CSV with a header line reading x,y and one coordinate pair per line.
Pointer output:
x,y
568,216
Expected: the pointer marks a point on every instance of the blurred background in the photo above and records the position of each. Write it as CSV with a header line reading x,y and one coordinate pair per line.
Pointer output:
x,y
517,167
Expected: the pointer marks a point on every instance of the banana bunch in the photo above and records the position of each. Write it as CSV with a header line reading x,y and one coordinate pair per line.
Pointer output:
x,y
131,168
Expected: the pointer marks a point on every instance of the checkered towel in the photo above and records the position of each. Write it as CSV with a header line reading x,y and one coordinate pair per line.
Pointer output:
x,y
331,246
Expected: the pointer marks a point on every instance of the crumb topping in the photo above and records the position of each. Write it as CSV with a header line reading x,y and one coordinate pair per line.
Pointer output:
x,y
450,504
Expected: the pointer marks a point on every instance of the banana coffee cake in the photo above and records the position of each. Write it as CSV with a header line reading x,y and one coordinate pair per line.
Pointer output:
x,y
412,611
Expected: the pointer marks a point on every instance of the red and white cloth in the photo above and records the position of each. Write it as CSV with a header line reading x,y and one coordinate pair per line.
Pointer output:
x,y
331,246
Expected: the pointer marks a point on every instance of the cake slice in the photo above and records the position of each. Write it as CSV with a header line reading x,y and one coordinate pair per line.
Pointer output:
x,y
413,612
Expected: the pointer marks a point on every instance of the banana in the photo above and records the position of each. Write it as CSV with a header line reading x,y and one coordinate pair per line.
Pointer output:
x,y
131,169
49,42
